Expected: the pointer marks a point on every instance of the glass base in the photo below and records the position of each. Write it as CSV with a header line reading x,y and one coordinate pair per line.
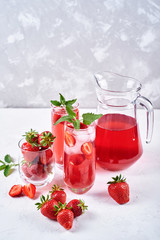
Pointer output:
x,y
80,190
37,183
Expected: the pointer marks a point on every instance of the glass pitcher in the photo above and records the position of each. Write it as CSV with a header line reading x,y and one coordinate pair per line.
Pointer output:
x,y
118,143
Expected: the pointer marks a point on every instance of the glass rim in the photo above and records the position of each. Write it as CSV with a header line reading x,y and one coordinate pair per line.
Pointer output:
x,y
75,105
19,142
85,130
136,89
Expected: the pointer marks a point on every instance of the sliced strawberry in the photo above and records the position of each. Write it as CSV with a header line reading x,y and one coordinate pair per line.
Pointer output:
x,y
16,190
69,139
87,148
76,159
29,190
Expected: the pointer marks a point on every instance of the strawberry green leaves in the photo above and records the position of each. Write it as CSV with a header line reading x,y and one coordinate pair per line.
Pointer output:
x,y
7,165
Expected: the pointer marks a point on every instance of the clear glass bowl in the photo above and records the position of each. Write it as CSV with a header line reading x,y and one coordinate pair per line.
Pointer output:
x,y
36,167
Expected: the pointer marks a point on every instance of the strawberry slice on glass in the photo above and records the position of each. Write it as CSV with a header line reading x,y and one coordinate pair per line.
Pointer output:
x,y
87,148
69,139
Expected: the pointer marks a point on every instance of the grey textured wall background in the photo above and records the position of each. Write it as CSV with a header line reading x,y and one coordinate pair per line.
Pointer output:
x,y
52,46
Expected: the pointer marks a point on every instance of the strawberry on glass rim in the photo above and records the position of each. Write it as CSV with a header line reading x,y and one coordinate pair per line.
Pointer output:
x,y
32,137
46,139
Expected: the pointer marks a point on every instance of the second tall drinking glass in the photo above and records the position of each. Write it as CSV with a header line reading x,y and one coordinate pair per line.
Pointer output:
x,y
79,158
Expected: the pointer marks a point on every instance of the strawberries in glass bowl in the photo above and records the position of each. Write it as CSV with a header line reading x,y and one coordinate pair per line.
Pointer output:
x,y
37,161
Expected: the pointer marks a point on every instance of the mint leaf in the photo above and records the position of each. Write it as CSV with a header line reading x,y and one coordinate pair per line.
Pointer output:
x,y
2,167
62,99
76,124
71,102
70,111
8,158
63,119
56,103
7,170
88,118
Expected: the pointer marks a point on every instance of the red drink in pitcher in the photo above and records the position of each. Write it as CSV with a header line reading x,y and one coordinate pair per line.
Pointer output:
x,y
118,144
79,158
58,131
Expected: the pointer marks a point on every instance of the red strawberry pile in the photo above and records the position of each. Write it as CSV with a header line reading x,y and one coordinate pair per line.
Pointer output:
x,y
38,157
55,207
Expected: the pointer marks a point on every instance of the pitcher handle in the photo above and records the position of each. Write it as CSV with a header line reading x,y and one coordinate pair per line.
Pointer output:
x,y
144,102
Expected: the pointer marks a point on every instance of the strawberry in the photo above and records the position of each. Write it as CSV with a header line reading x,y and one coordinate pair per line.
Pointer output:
x,y
25,170
119,189
87,148
58,194
46,156
77,207
83,126
29,190
31,137
29,152
16,190
46,139
47,207
65,218
76,159
69,139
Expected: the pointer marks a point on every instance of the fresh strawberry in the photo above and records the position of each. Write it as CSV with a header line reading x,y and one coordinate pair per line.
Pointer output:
x,y
29,190
87,148
47,207
46,139
76,159
16,190
77,207
65,218
28,147
69,139
83,126
119,189
31,137
46,156
25,170
58,194
29,152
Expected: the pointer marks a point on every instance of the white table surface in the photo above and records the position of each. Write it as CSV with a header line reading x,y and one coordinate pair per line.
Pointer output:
x,y
105,219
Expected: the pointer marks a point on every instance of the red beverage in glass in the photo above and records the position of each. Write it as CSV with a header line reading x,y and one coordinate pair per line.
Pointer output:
x,y
79,159
58,131
118,144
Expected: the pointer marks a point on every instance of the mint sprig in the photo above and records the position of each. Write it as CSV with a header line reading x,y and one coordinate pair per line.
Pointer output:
x,y
67,104
87,119
7,165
